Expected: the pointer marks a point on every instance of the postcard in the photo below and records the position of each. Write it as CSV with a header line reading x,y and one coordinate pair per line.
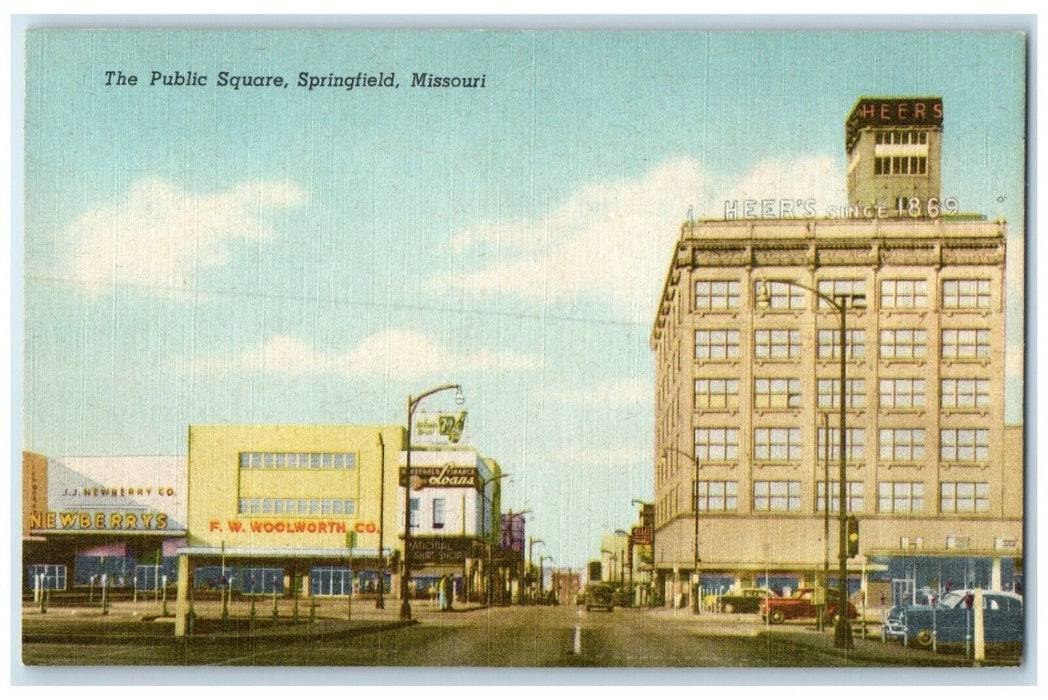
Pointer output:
x,y
523,348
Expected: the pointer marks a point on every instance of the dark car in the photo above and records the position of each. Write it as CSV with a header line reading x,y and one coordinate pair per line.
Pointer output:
x,y
745,600
801,606
951,620
600,597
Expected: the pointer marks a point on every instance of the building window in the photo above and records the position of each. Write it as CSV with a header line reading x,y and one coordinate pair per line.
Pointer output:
x,y
777,444
297,506
51,577
964,497
965,343
716,295
900,497
900,165
856,490
781,296
829,343
903,343
718,496
297,460
856,438
716,444
777,393
777,496
413,509
829,393
965,393
716,345
776,344
902,444
964,445
438,513
835,288
904,294
966,294
902,393
716,393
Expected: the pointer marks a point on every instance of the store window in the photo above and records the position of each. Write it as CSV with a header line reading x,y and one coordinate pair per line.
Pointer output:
x,y
438,513
50,577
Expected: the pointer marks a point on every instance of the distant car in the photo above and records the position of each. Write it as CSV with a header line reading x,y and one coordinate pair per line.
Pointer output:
x,y
745,600
952,621
600,597
801,606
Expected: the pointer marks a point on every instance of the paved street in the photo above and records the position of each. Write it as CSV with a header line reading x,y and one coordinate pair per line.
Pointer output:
x,y
479,637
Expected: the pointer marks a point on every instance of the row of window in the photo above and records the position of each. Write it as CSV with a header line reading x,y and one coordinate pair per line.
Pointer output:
x,y
724,295
298,460
781,392
895,444
900,165
895,343
297,506
901,138
892,496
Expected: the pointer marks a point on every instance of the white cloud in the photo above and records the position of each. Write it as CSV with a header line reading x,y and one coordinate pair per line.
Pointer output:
x,y
160,236
624,392
398,353
613,241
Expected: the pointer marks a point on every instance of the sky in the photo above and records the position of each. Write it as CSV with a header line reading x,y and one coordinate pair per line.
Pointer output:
x,y
200,254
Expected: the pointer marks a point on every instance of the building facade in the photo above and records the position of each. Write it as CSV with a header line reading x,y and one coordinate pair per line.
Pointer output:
x,y
748,385
90,522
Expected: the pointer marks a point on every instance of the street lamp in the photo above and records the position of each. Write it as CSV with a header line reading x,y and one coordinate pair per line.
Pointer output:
x,y
542,578
842,630
696,560
509,517
614,562
483,494
531,561
627,557
413,402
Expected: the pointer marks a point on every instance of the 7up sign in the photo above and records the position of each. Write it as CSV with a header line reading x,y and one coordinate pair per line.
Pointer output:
x,y
438,428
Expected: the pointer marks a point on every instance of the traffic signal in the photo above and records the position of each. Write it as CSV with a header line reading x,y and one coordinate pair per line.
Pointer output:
x,y
852,527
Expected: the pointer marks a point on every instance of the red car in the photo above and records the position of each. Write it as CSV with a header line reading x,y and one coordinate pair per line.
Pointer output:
x,y
801,606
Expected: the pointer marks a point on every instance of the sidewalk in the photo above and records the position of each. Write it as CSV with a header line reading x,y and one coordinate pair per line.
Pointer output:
x,y
143,620
803,634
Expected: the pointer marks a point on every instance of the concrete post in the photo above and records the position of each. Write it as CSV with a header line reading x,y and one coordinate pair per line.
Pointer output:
x,y
183,591
995,574
980,629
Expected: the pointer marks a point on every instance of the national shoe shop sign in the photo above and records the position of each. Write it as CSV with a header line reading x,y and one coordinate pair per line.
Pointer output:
x,y
443,476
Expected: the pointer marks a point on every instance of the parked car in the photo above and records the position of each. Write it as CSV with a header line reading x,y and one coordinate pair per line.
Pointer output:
x,y
744,600
599,596
801,605
951,620
893,625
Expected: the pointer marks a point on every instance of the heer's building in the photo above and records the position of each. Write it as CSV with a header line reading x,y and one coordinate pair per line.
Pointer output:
x,y
747,393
